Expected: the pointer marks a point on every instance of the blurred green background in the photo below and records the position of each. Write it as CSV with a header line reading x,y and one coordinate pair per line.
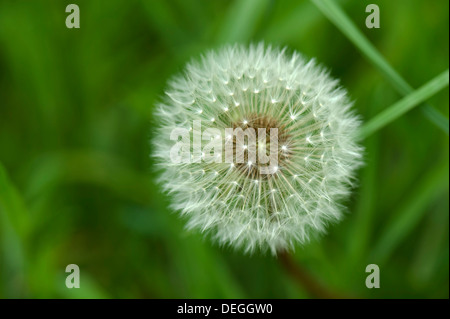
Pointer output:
x,y
77,184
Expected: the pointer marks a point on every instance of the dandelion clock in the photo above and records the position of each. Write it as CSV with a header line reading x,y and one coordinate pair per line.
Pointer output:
x,y
256,147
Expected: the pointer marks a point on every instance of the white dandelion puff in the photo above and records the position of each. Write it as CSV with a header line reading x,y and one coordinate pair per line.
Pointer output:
x,y
234,202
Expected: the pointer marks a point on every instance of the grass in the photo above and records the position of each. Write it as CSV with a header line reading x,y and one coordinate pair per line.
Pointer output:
x,y
77,184
404,105
343,23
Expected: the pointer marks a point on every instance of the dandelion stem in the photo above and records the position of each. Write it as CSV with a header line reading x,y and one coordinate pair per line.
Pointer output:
x,y
304,279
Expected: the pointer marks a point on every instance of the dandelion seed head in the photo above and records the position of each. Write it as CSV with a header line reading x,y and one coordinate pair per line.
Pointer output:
x,y
318,155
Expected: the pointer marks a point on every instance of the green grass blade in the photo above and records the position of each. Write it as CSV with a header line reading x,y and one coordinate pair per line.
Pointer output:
x,y
241,20
433,185
338,17
14,226
295,25
431,244
12,205
404,105
435,116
